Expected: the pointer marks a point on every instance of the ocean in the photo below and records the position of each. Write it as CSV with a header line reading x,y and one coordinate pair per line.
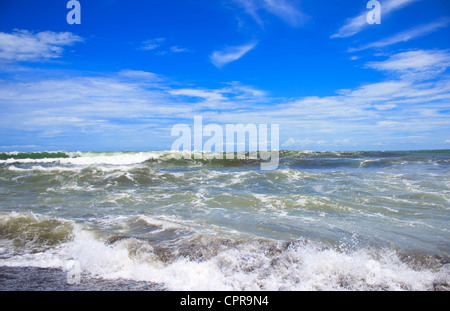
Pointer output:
x,y
352,221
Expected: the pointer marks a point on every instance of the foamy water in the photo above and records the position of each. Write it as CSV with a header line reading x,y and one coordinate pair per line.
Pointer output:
x,y
322,221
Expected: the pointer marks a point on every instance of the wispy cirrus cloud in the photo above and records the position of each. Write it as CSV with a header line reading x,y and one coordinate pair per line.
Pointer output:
x,y
151,44
416,65
23,45
283,9
178,49
128,98
209,98
406,36
231,54
233,96
286,11
161,46
259,11
302,143
139,74
358,23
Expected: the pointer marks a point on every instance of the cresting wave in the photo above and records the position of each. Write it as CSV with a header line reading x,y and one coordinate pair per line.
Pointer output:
x,y
305,159
29,233
203,261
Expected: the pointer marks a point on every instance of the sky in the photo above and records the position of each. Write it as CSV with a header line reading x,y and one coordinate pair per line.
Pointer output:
x,y
131,70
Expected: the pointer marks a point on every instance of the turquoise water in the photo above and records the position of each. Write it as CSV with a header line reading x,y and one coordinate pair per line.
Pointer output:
x,y
322,220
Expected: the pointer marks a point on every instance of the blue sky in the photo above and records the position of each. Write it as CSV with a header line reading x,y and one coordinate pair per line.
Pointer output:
x,y
131,70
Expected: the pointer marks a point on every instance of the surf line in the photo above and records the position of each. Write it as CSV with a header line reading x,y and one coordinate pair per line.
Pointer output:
x,y
257,144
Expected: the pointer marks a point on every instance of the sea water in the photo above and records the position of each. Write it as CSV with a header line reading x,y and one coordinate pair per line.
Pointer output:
x,y
147,221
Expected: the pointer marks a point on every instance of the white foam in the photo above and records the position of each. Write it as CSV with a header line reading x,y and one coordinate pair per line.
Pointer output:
x,y
120,159
93,159
245,267
41,168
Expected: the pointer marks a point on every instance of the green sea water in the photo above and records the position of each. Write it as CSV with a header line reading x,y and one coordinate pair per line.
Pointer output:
x,y
320,221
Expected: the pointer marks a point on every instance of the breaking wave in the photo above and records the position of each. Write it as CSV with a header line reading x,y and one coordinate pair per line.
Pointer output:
x,y
206,262
299,159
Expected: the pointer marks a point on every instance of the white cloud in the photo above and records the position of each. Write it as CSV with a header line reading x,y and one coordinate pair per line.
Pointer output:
x,y
316,144
139,74
378,91
417,65
352,26
244,91
205,94
281,8
159,45
405,36
286,11
385,106
291,142
125,99
358,23
231,54
178,49
16,147
233,96
23,45
152,44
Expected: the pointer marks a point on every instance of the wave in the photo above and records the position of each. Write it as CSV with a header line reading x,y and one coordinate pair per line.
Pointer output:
x,y
34,155
27,232
288,158
78,158
207,262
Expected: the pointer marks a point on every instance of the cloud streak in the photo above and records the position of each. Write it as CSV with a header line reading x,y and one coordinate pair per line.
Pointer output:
x,y
282,9
405,36
415,65
23,45
231,54
358,23
160,46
